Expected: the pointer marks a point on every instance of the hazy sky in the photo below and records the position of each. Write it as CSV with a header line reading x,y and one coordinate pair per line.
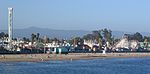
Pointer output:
x,y
120,15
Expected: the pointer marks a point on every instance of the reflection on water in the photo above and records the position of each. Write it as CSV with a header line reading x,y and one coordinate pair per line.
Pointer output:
x,y
101,66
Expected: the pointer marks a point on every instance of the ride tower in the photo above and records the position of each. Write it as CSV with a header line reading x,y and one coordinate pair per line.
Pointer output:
x,y
10,27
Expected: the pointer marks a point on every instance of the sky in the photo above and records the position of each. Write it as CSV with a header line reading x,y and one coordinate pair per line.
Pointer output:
x,y
117,15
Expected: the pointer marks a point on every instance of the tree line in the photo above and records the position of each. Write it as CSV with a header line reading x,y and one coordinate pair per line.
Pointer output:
x,y
99,36
105,35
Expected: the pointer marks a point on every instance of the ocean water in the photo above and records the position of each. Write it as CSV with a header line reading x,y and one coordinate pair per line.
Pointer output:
x,y
95,66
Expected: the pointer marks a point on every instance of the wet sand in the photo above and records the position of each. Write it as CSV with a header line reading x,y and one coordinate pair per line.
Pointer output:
x,y
70,56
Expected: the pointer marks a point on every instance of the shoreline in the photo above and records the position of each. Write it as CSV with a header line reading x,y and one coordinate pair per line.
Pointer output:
x,y
70,56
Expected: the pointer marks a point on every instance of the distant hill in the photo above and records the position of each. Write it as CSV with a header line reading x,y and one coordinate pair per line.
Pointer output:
x,y
61,34
119,34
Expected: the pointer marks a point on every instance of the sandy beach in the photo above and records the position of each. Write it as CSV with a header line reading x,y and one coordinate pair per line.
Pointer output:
x,y
70,56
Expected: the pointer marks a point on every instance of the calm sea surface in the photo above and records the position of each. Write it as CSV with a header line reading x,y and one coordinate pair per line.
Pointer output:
x,y
96,66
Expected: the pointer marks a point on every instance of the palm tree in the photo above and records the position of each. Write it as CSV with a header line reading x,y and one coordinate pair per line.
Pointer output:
x,y
37,36
107,35
98,37
33,36
2,35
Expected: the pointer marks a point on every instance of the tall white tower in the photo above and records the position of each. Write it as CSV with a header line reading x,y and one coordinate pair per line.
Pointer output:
x,y
10,23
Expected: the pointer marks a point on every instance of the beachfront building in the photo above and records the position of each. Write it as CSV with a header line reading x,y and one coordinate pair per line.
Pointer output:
x,y
145,45
56,47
